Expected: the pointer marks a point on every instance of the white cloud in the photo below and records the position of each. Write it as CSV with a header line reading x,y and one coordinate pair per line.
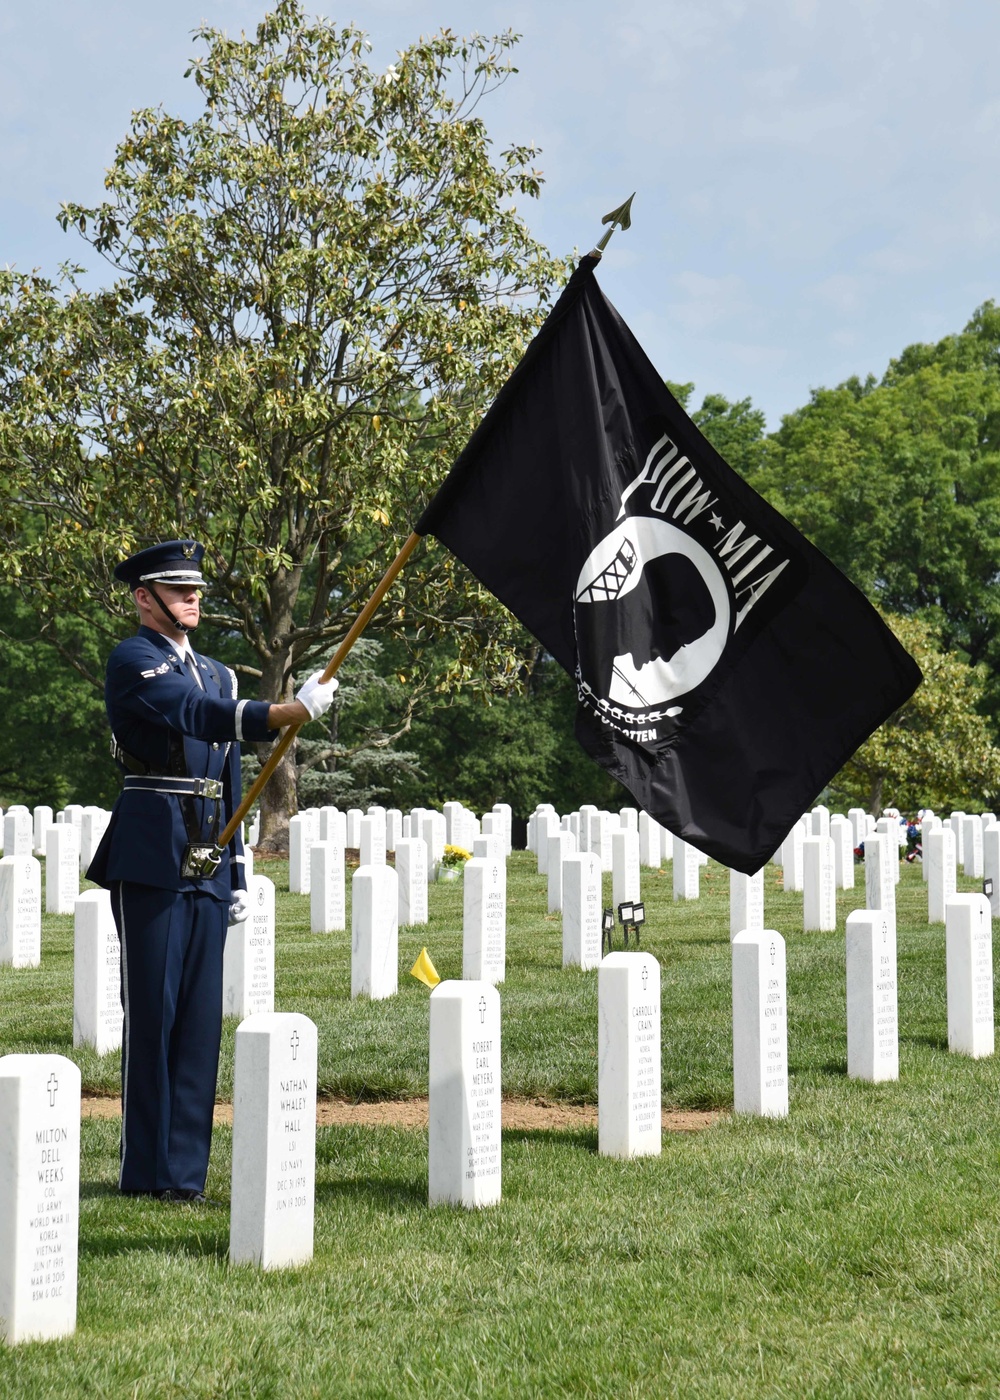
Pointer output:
x,y
842,292
706,301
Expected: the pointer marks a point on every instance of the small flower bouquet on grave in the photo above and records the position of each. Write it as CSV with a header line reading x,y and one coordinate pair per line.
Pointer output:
x,y
452,863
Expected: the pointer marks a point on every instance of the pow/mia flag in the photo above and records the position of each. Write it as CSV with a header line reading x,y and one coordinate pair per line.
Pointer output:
x,y
725,669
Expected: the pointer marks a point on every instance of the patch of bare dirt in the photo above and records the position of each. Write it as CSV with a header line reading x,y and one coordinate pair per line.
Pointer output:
x,y
530,1115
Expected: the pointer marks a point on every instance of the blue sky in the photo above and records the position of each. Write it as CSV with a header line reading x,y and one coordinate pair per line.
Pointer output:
x,y
816,179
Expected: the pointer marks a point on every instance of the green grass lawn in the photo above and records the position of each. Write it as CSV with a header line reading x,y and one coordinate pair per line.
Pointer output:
x,y
849,1250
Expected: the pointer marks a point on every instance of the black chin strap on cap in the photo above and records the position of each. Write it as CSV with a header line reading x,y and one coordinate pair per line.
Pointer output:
x,y
181,626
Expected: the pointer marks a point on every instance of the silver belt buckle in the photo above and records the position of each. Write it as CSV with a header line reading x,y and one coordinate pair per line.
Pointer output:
x,y
200,862
208,787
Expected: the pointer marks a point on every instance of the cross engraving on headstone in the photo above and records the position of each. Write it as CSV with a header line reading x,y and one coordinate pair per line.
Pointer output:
x,y
52,1087
294,1043
482,1011
645,976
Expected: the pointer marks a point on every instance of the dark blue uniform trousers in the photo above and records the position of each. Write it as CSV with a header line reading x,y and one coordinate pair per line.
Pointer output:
x,y
171,946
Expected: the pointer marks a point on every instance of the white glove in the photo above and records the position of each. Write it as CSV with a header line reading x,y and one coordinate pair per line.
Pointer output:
x,y
317,694
239,907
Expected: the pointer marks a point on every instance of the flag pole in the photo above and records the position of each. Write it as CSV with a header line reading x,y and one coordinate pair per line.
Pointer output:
x,y
333,666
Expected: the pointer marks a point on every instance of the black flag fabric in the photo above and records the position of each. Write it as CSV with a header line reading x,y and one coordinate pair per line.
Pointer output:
x,y
725,669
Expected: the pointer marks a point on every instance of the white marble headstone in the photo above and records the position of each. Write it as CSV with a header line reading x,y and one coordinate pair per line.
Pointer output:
x,y
488,847
450,811
484,921
991,866
97,1000
889,826
842,834
327,889
93,825
561,844
411,873
791,859
957,820
687,870
505,813
248,960
432,830
464,1161
546,825
599,838
374,932
333,825
17,832
372,838
20,911
972,862
760,1024
39,1196
629,1119
872,1013
746,901
274,1141
624,867
62,868
581,911
41,821
969,961
881,871
818,887
941,862
650,842
300,842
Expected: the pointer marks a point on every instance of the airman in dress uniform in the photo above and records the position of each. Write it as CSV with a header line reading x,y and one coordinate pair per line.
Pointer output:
x,y
176,724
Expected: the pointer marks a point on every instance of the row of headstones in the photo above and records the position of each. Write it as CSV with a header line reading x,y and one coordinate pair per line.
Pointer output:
x,y
621,843
813,866
274,1100
248,963
379,830
760,1005
575,889
573,883
593,830
27,833
21,893
274,1133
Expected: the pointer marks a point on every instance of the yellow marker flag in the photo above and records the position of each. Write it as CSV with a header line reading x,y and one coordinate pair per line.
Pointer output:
x,y
424,970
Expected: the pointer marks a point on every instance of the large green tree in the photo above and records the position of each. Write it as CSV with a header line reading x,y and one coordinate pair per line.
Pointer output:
x,y
319,284
899,483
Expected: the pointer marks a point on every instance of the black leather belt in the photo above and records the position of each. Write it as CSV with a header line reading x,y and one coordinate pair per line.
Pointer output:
x,y
181,787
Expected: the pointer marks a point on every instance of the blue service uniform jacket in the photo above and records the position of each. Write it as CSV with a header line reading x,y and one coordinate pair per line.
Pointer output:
x,y
151,698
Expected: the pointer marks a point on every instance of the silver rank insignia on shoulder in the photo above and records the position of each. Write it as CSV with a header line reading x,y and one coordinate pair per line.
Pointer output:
x,y
156,671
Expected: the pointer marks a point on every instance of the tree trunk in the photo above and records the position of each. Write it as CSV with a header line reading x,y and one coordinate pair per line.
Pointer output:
x,y
875,795
279,800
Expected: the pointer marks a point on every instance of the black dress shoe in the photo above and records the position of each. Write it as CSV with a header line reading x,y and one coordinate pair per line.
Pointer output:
x,y
191,1198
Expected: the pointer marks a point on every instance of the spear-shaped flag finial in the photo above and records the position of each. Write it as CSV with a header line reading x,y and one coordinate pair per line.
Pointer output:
x,y
618,218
